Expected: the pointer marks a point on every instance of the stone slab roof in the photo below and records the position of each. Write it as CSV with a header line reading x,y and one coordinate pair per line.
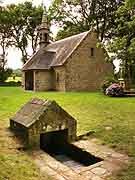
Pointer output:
x,y
30,112
41,60
36,108
55,54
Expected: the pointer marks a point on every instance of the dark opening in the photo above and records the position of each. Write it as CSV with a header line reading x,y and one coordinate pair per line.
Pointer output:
x,y
57,77
40,36
29,78
20,132
92,51
56,145
53,139
45,37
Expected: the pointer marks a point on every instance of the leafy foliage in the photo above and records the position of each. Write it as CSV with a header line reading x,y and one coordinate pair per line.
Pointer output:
x,y
78,16
4,74
5,43
17,72
24,18
123,42
18,27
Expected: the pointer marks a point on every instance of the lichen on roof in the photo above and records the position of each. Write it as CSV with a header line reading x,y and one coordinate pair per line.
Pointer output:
x,y
31,111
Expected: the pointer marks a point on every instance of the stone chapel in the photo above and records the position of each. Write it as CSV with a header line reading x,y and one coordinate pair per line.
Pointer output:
x,y
71,64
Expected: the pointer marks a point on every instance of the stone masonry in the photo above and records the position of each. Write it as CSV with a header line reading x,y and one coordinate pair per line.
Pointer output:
x,y
104,170
83,71
39,117
71,64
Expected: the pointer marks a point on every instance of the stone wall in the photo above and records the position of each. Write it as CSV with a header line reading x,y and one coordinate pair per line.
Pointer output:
x,y
43,80
20,130
85,72
59,78
54,119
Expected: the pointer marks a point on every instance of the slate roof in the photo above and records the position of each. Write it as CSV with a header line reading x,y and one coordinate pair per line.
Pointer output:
x,y
31,111
40,60
55,54
34,109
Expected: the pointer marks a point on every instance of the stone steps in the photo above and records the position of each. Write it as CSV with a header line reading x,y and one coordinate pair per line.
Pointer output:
x,y
130,93
68,161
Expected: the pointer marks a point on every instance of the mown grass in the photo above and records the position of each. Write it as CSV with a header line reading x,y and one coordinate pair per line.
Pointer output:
x,y
15,167
93,111
15,79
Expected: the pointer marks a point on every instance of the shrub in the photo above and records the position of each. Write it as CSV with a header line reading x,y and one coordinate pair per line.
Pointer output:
x,y
11,83
107,82
4,74
115,90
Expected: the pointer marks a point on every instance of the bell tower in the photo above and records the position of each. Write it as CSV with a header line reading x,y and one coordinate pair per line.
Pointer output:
x,y
44,29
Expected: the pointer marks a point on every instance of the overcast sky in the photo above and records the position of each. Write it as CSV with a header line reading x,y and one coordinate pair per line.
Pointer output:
x,y
14,56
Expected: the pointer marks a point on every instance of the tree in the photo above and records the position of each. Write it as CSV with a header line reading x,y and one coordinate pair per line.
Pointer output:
x,y
17,72
23,19
80,15
4,74
130,3
5,43
123,42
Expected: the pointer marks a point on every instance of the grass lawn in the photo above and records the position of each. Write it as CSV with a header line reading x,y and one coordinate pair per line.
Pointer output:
x,y
14,80
93,111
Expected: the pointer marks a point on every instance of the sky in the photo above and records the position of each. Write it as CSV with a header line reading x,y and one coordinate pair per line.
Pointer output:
x,y
14,56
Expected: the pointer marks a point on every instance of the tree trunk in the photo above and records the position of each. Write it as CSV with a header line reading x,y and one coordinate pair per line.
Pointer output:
x,y
128,77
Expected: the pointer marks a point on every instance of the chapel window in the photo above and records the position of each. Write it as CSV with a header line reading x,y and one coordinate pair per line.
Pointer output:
x,y
57,77
92,52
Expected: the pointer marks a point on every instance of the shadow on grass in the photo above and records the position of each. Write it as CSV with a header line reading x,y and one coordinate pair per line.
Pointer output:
x,y
85,136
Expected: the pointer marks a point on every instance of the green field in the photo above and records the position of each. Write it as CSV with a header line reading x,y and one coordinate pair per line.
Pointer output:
x,y
16,79
93,111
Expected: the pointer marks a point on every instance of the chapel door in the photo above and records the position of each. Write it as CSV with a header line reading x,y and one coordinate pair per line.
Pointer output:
x,y
29,80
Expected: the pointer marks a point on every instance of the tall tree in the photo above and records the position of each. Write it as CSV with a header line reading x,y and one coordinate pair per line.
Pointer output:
x,y
80,15
23,19
5,43
5,36
123,43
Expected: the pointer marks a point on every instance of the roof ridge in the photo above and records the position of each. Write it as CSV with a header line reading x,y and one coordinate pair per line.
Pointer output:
x,y
63,49
65,59
67,38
